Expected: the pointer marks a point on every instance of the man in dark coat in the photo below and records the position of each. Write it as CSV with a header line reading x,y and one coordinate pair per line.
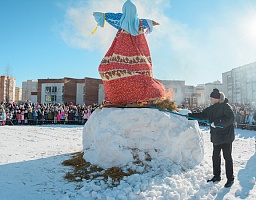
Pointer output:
x,y
221,116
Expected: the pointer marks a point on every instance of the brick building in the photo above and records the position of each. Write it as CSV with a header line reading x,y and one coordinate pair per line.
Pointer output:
x,y
65,90
92,93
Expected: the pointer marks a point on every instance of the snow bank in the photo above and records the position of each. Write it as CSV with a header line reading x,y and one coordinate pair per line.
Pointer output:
x,y
119,136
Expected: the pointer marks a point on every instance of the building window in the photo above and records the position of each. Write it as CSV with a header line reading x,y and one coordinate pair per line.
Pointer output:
x,y
54,89
50,98
47,89
50,89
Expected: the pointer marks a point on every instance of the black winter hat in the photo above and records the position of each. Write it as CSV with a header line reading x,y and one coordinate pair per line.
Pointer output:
x,y
215,94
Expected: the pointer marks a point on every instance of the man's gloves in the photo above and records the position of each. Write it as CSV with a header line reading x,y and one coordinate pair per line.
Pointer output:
x,y
212,125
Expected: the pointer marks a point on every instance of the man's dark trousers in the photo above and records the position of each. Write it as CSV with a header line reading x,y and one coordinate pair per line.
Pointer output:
x,y
216,159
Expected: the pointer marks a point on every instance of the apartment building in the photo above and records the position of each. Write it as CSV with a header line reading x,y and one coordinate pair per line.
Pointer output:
x,y
7,89
190,98
29,91
18,94
189,95
178,88
239,84
200,91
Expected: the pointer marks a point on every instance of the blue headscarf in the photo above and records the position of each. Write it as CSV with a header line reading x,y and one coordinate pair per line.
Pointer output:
x,y
130,21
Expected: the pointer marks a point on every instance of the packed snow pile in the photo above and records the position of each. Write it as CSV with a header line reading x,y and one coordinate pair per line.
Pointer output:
x,y
121,136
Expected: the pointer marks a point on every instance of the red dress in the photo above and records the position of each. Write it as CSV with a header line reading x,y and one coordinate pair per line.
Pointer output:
x,y
126,71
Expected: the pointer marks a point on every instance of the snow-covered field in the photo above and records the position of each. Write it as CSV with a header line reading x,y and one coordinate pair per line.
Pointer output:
x,y
30,168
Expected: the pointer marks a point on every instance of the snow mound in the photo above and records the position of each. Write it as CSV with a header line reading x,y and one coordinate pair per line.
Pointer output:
x,y
119,136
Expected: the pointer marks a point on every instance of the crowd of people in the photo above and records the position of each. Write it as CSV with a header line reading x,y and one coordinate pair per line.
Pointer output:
x,y
245,115
68,113
38,114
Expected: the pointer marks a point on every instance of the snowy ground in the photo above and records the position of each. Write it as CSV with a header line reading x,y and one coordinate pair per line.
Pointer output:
x,y
30,168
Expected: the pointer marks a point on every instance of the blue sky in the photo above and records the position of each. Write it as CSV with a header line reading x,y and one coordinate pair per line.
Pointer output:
x,y
196,41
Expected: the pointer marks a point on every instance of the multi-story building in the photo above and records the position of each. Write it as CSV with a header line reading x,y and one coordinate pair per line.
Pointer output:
x,y
18,94
178,88
190,98
200,90
92,92
189,95
29,91
7,89
239,84
66,90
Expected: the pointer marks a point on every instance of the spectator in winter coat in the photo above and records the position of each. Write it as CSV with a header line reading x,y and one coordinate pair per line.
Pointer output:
x,y
55,113
66,116
9,118
14,120
26,116
221,116
88,113
30,117
22,116
70,117
39,117
62,116
250,121
35,116
50,116
84,118
3,117
18,117
58,116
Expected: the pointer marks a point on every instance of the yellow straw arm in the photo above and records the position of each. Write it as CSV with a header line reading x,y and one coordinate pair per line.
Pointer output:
x,y
94,30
